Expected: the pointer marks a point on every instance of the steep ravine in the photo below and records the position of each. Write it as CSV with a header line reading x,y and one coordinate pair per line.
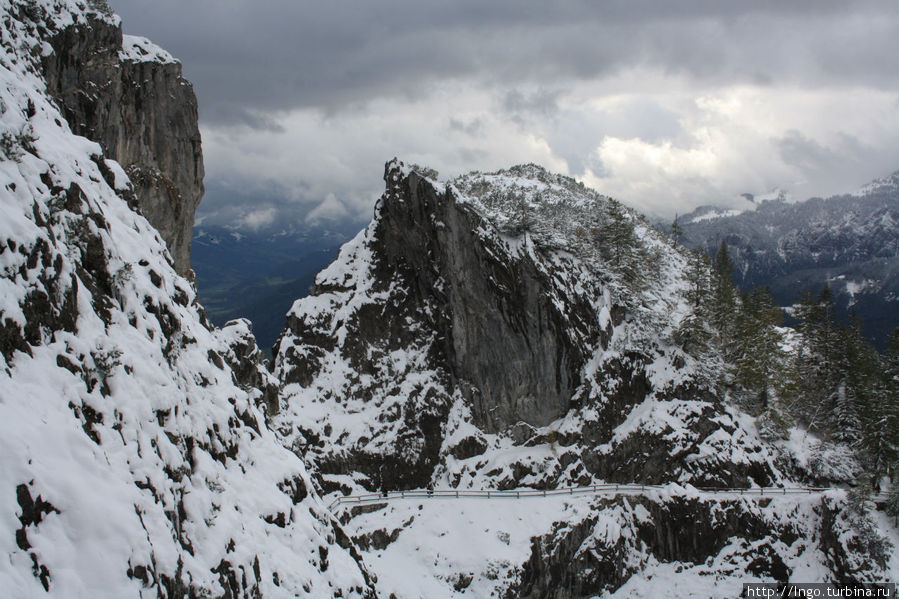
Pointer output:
x,y
148,454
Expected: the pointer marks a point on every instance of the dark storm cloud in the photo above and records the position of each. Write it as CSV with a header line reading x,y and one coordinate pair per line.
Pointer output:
x,y
541,102
252,58
472,127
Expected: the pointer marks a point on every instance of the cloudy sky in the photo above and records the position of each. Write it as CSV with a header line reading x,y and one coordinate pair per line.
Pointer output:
x,y
664,105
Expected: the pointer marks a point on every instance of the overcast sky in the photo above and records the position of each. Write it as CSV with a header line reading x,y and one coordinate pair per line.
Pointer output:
x,y
664,105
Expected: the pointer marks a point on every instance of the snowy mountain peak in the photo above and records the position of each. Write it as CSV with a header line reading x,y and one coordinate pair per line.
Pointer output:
x,y
514,330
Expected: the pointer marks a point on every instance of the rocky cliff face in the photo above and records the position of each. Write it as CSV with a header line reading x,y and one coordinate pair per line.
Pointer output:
x,y
128,95
490,332
512,346
136,456
437,344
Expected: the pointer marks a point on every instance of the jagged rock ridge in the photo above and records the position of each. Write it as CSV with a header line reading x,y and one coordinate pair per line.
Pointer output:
x,y
434,334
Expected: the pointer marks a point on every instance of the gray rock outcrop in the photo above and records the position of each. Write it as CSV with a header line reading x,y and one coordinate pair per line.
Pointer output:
x,y
515,353
130,97
438,335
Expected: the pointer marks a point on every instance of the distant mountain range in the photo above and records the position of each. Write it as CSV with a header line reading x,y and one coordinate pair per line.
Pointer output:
x,y
849,243
258,276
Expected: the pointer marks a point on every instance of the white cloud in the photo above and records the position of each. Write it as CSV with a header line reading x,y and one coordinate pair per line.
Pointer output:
x,y
329,209
257,219
751,139
664,149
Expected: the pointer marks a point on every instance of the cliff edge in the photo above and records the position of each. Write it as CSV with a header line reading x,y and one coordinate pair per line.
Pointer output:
x,y
128,95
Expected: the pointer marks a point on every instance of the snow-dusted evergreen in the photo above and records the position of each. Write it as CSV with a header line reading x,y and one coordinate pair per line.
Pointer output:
x,y
134,462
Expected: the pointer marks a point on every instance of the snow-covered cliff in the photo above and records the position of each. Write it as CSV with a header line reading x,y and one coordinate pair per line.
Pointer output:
x,y
128,95
135,459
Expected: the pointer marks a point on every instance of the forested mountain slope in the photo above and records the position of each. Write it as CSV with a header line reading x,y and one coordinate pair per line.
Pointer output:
x,y
847,243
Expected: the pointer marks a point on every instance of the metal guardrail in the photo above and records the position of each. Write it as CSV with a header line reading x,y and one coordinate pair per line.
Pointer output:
x,y
600,489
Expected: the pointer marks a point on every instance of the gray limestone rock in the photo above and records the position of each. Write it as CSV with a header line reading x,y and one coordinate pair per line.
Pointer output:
x,y
143,113
436,337
513,351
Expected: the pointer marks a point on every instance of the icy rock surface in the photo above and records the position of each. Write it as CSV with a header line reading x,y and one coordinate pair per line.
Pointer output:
x,y
136,460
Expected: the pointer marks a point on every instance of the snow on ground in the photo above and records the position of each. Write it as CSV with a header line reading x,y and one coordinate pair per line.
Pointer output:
x,y
444,540
887,527
140,49
475,547
713,214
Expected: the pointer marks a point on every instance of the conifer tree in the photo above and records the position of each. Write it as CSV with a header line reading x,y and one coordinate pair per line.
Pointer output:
x,y
885,424
694,333
892,507
758,356
676,231
698,277
616,232
722,308
618,243
817,365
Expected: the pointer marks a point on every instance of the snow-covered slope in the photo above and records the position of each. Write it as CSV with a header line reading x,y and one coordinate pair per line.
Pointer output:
x,y
135,459
515,329
436,335
665,543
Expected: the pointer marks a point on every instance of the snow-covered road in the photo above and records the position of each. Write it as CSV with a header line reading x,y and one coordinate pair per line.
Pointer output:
x,y
610,489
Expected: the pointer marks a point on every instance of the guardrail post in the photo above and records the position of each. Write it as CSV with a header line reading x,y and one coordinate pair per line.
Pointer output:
x,y
488,494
